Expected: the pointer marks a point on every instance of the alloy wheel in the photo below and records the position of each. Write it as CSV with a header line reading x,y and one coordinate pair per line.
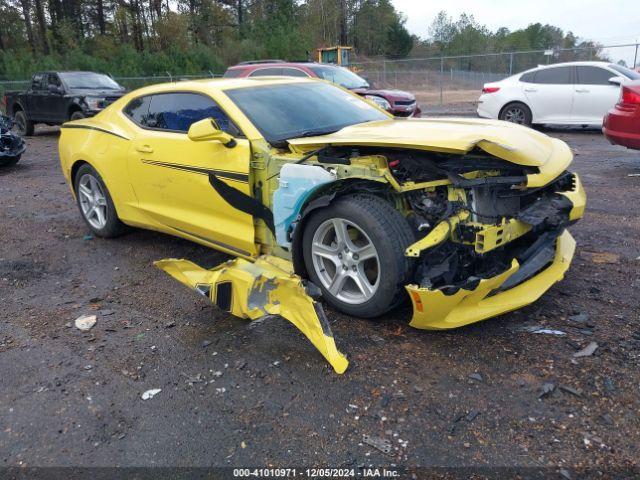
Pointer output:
x,y
515,115
93,202
346,261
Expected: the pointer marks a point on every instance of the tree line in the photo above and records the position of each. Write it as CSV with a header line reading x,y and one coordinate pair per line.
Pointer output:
x,y
146,37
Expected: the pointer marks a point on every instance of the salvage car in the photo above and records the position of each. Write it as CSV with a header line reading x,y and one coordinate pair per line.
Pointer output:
x,y
621,124
396,102
320,193
11,145
56,97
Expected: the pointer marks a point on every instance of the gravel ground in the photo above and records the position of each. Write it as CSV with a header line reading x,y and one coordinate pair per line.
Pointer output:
x,y
262,396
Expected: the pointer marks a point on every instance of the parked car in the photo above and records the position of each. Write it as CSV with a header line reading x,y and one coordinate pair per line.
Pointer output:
x,y
574,93
56,97
11,145
622,123
397,102
468,216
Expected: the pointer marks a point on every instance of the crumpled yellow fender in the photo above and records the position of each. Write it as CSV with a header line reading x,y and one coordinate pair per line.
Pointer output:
x,y
252,290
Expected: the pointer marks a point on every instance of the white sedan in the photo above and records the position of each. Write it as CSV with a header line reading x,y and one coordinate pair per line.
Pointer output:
x,y
574,93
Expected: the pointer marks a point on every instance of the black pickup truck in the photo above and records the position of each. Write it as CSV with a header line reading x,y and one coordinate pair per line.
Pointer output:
x,y
57,97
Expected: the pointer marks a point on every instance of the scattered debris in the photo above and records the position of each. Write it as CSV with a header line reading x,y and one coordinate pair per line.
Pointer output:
x,y
85,322
587,351
579,318
571,390
566,474
151,393
87,237
206,343
633,174
549,331
169,325
106,312
547,389
381,444
477,376
472,415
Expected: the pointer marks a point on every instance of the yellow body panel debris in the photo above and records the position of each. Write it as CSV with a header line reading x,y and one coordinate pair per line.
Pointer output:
x,y
252,290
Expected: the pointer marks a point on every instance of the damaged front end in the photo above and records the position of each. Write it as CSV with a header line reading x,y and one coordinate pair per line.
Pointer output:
x,y
11,145
492,244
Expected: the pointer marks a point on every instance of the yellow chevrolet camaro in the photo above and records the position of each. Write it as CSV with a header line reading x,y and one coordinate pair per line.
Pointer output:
x,y
319,192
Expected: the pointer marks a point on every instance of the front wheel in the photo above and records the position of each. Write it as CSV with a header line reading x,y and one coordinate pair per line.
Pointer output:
x,y
354,250
516,112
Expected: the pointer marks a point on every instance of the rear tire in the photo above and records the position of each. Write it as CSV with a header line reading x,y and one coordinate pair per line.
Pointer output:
x,y
95,203
23,126
516,112
363,275
77,115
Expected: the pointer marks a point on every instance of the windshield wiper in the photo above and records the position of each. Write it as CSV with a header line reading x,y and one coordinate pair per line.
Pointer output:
x,y
314,133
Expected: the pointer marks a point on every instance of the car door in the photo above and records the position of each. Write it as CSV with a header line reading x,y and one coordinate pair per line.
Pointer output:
x,y
594,94
36,108
54,102
550,94
170,174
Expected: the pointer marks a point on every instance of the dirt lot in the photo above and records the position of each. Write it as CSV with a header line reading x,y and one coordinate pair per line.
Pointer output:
x,y
262,396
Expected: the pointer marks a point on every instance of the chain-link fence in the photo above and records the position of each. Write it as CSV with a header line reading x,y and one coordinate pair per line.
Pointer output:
x,y
446,83
453,83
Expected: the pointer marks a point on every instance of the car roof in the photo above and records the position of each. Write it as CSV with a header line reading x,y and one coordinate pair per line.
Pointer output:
x,y
220,84
275,64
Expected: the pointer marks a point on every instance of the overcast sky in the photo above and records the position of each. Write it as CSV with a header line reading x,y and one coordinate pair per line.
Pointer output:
x,y
608,22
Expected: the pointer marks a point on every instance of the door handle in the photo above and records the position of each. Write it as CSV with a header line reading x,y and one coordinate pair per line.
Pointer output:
x,y
144,149
530,89
582,90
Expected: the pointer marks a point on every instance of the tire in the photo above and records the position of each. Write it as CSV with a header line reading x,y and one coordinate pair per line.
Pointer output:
x,y
107,224
23,126
77,115
369,221
516,112
9,161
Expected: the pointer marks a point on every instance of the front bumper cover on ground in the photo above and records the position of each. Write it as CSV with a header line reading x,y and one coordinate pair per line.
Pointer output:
x,y
253,290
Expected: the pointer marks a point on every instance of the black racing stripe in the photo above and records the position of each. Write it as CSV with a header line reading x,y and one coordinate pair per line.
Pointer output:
x,y
97,129
240,177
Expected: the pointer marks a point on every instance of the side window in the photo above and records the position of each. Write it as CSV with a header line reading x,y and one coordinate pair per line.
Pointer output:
x,y
233,73
293,72
527,77
36,83
594,76
177,111
263,72
54,80
138,110
554,76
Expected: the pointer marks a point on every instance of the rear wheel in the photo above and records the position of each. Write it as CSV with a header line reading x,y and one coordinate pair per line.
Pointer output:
x,y
516,112
354,251
22,125
95,204
77,115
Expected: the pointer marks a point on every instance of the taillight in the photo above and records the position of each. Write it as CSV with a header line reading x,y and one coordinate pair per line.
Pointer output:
x,y
490,89
629,97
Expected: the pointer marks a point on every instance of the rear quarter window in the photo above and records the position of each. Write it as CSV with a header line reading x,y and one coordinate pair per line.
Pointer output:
x,y
138,109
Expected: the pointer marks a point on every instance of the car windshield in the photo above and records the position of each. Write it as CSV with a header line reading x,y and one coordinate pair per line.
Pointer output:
x,y
89,80
339,75
291,110
625,71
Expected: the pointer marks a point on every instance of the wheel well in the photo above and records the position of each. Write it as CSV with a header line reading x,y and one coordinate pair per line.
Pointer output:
x,y
74,108
17,108
74,170
323,197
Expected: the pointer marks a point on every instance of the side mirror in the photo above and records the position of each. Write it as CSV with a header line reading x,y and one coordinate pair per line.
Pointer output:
x,y
208,130
615,80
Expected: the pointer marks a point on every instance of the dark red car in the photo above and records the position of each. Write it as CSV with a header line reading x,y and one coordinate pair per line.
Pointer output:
x,y
622,123
397,102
